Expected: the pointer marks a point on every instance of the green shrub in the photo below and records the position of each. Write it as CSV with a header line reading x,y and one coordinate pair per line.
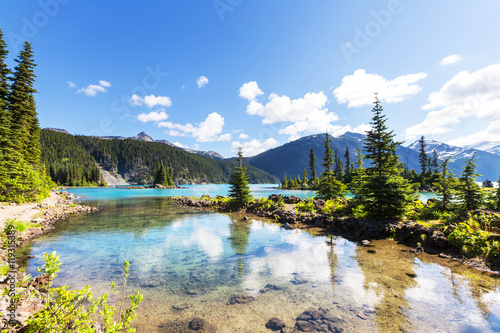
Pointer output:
x,y
473,241
76,310
335,207
305,206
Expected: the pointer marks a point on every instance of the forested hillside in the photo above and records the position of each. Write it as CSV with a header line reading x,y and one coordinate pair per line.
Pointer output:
x,y
75,158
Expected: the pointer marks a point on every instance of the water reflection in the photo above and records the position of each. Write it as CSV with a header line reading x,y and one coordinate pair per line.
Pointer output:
x,y
200,258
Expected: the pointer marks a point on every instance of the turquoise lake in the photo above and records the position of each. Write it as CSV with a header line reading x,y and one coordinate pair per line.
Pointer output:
x,y
188,263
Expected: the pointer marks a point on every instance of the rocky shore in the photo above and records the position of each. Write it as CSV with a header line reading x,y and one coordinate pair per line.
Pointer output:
x,y
42,217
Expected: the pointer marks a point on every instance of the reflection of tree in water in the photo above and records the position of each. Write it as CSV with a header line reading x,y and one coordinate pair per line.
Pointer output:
x,y
477,284
389,273
239,232
332,257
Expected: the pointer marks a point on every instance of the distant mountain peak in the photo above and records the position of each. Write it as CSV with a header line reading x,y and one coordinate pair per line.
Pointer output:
x,y
58,130
143,137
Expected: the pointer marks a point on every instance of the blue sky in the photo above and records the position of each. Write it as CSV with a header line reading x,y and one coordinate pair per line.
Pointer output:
x,y
212,75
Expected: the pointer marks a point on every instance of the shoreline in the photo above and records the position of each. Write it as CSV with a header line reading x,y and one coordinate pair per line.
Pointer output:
x,y
42,218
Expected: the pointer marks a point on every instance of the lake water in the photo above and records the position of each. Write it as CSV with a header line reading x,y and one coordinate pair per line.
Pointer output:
x,y
196,260
258,191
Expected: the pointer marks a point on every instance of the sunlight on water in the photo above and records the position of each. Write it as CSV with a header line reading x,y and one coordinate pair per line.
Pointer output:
x,y
258,191
188,263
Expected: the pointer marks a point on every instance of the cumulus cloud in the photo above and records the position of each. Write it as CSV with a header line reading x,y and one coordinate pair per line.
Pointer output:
x,y
151,101
301,115
490,133
357,89
71,85
254,147
475,94
250,91
155,116
243,136
92,89
454,58
202,81
208,130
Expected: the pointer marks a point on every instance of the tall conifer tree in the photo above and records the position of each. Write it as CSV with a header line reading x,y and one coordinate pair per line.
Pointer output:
x,y
470,192
312,164
382,191
24,121
329,187
422,155
240,190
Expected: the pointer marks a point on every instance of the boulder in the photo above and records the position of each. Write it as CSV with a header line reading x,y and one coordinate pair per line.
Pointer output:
x,y
275,324
197,324
241,299
439,240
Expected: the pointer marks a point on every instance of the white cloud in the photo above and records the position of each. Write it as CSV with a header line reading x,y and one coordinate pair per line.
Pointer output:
x,y
243,136
92,89
454,58
491,133
254,147
151,101
302,115
208,130
475,94
155,116
71,85
201,81
250,91
357,90
103,83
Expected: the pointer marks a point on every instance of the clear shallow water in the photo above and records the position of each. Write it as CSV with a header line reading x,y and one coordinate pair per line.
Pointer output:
x,y
258,191
196,258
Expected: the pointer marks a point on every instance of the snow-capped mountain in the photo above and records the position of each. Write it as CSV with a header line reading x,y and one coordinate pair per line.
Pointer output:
x,y
488,146
488,164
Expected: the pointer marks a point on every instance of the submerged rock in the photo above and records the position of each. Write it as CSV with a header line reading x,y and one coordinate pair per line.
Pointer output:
x,y
241,299
275,324
197,324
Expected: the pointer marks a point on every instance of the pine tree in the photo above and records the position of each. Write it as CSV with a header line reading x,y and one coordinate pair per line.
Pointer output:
x,y
285,181
6,150
470,192
435,161
161,177
328,160
422,155
5,135
312,163
382,191
446,185
348,166
329,187
240,190
22,108
305,181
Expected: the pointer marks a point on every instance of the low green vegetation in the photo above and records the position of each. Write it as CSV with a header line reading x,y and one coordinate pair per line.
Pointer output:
x,y
67,310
